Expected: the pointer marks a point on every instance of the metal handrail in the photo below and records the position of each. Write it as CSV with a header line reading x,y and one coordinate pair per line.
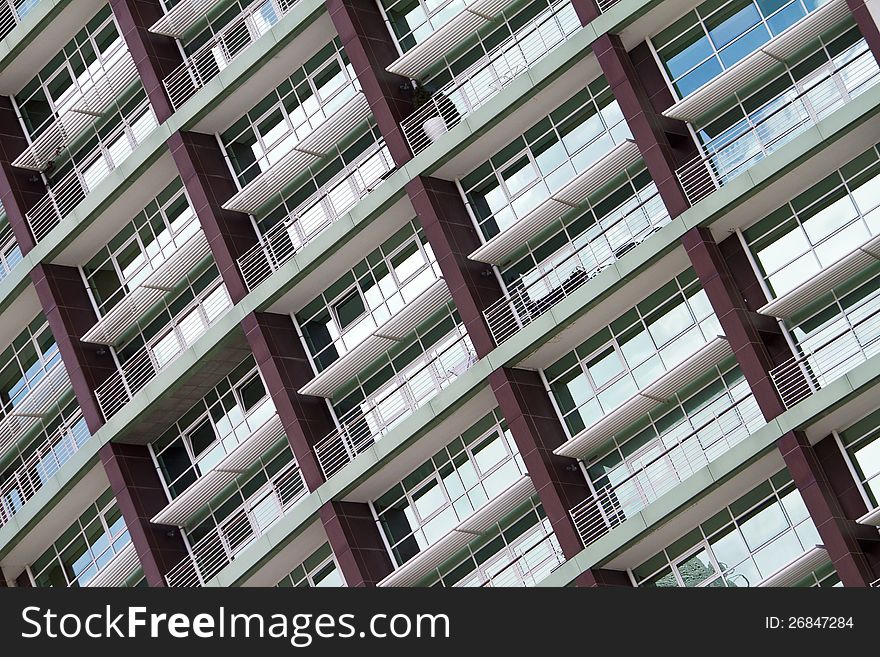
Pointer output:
x,y
612,504
362,426
482,80
212,57
13,18
8,244
766,129
156,355
522,305
213,552
545,550
324,207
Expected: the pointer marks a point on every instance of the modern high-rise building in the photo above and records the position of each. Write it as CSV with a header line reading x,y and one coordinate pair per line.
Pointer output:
x,y
440,293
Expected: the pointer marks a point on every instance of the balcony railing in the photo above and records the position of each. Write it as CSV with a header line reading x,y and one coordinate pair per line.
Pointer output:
x,y
362,426
182,16
780,120
12,14
533,564
66,194
528,301
210,554
612,504
187,326
215,55
40,466
10,254
494,71
816,367
336,197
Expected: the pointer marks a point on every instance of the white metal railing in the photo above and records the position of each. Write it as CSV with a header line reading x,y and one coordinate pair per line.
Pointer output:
x,y
657,474
816,367
310,218
65,194
213,552
605,5
363,425
186,327
531,566
13,14
39,467
526,301
489,75
215,55
778,121
10,255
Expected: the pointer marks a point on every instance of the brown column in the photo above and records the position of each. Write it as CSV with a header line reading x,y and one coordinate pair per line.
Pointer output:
x,y
370,49
140,496
643,94
20,189
282,360
356,543
735,293
155,55
209,185
452,236
596,577
70,314
867,24
586,10
840,534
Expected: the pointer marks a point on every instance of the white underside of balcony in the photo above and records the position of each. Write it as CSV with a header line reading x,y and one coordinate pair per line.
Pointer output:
x,y
780,47
245,454
871,518
826,280
570,196
795,570
120,568
182,17
113,325
107,88
307,150
466,531
651,396
449,35
379,341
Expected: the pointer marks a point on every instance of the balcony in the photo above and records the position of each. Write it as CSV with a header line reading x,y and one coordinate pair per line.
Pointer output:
x,y
10,254
40,466
11,14
531,566
480,82
810,291
526,301
233,39
585,443
766,57
571,196
284,164
65,194
323,208
162,350
364,425
462,534
212,553
398,327
182,16
612,504
797,569
120,318
236,461
447,37
116,573
819,365
779,121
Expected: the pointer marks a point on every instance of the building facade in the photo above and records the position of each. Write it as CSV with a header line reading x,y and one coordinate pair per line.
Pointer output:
x,y
462,293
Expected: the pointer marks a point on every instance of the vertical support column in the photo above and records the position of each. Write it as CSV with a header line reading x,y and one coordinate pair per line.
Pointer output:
x,y
867,16
20,189
596,578
356,542
839,534
155,55
140,496
284,365
756,340
209,185
370,48
452,236
70,314
586,10
642,94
